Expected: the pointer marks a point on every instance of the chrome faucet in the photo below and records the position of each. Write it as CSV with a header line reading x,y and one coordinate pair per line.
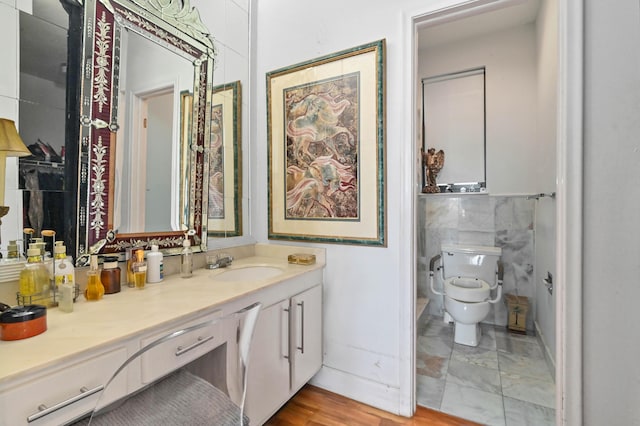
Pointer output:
x,y
219,261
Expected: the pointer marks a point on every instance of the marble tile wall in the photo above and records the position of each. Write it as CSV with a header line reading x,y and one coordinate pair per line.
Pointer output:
x,y
500,221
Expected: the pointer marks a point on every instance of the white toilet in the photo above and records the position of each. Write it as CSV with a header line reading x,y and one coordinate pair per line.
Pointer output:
x,y
466,272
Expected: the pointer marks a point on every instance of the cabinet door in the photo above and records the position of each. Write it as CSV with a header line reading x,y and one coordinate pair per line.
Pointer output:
x,y
268,377
306,336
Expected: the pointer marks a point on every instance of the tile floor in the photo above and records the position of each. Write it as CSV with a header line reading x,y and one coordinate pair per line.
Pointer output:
x,y
504,381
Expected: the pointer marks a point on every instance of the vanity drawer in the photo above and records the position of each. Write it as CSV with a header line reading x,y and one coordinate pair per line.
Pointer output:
x,y
191,341
65,394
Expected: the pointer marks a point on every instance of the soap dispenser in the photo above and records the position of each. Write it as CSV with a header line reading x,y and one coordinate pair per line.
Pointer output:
x,y
186,259
34,278
63,270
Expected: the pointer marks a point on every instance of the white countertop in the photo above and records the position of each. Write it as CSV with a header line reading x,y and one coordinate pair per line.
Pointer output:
x,y
131,312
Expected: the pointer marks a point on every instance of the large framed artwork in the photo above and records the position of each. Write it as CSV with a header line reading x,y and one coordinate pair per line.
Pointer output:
x,y
326,132
224,215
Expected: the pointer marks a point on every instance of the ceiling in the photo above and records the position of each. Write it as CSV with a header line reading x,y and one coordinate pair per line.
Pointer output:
x,y
450,27
43,35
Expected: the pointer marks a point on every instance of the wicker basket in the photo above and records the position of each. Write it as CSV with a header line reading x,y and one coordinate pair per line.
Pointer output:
x,y
518,307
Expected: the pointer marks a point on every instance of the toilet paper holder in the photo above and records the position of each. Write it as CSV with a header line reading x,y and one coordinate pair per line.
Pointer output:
x,y
548,282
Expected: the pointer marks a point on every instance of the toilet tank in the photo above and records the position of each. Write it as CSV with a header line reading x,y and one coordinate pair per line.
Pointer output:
x,y
470,261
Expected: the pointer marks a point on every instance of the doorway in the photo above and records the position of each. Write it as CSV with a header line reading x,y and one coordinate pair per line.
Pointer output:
x,y
145,165
549,209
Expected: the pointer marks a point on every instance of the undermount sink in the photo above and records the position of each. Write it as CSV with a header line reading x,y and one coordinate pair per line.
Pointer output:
x,y
248,273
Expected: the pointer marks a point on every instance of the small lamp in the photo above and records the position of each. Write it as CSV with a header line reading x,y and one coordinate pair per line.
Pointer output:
x,y
11,145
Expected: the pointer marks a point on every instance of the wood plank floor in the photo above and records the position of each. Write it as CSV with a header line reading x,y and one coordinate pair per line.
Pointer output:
x,y
313,406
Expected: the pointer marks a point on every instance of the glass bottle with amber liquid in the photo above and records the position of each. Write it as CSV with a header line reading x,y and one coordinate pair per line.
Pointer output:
x,y
34,278
130,257
110,275
95,289
139,270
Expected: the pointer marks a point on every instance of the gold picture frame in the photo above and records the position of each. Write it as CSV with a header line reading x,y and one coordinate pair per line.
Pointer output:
x,y
186,112
326,131
224,212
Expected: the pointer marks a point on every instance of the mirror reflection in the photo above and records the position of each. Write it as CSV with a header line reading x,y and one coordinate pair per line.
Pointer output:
x,y
50,40
147,172
42,113
61,188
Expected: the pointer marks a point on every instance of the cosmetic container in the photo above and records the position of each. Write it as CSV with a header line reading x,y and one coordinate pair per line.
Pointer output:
x,y
155,267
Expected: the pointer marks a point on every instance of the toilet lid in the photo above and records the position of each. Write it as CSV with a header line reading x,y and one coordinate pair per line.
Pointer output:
x,y
467,289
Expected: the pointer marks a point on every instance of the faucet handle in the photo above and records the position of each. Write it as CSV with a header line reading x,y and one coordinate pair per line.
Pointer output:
x,y
218,260
212,260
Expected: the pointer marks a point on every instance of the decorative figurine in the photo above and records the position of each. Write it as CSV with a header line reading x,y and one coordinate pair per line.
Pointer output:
x,y
432,162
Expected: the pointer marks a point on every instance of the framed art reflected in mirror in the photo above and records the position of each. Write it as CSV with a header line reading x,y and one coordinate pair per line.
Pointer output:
x,y
224,213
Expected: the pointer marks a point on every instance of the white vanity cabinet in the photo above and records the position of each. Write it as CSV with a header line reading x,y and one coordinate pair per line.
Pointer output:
x,y
69,391
56,377
286,352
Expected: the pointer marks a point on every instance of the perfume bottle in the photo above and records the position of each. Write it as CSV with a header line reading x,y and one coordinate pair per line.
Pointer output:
x,y
95,289
130,257
129,254
139,270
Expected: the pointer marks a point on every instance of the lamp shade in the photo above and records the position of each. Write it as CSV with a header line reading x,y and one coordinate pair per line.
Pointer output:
x,y
11,144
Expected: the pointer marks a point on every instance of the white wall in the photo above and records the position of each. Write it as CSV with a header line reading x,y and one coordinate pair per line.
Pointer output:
x,y
545,220
368,291
611,206
510,60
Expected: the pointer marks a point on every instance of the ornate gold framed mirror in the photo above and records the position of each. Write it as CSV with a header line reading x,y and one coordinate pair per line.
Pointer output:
x,y
139,58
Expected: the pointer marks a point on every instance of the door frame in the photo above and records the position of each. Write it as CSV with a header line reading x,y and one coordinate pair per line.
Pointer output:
x,y
568,199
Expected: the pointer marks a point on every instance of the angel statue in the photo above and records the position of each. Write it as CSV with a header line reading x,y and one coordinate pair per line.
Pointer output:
x,y
432,162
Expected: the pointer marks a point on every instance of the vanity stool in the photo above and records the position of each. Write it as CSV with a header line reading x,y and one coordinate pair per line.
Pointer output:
x,y
182,397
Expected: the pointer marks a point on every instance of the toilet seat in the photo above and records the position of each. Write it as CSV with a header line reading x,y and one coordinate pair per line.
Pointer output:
x,y
467,289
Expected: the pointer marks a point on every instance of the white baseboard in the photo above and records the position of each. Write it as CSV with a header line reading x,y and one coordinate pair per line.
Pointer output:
x,y
365,391
548,356
421,305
